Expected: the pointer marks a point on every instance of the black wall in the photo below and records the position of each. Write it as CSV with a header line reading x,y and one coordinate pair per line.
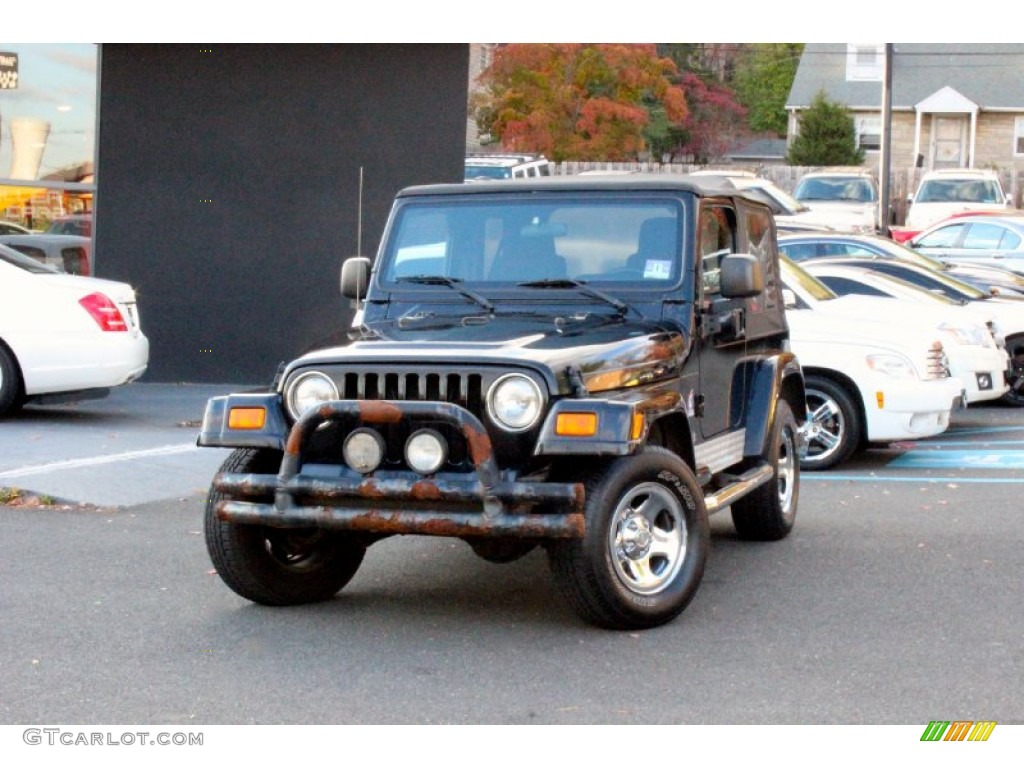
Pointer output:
x,y
228,186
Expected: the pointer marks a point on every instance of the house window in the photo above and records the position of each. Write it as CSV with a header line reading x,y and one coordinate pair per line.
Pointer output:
x,y
864,61
1018,136
869,133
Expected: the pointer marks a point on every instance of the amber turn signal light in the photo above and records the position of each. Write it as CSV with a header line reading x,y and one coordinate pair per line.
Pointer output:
x,y
576,424
247,418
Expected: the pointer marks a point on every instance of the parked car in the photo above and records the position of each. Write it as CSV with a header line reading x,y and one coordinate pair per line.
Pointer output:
x,y
801,247
68,253
64,337
868,383
848,197
994,240
10,228
71,224
506,166
949,190
993,373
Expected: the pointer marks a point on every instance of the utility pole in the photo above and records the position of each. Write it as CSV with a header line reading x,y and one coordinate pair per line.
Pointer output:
x,y
884,159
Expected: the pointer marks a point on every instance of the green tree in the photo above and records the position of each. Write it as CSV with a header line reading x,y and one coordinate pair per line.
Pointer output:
x,y
762,78
827,136
575,101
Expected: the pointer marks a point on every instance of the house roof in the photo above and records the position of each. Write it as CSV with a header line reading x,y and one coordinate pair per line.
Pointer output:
x,y
758,149
989,74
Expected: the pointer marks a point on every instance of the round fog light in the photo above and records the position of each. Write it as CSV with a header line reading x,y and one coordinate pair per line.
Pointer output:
x,y
426,451
363,450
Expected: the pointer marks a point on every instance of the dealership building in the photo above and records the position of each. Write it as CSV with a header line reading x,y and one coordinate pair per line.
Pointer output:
x,y
227,183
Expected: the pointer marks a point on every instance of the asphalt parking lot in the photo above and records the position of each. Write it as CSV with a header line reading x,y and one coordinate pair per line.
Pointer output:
x,y
895,601
135,446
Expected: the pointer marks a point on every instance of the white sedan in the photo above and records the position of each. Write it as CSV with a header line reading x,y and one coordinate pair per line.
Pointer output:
x,y
64,337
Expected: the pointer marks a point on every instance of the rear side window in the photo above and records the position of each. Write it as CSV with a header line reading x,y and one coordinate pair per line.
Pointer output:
x,y
990,236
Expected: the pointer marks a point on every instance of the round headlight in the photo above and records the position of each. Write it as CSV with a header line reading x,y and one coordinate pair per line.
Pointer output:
x,y
363,450
515,402
308,391
425,451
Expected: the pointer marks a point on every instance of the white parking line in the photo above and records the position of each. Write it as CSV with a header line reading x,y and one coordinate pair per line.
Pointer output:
x,y
92,461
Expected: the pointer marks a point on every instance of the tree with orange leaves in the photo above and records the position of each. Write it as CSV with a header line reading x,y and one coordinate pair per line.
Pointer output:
x,y
574,101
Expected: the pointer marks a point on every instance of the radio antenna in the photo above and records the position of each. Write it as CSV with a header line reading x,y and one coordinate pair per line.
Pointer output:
x,y
359,215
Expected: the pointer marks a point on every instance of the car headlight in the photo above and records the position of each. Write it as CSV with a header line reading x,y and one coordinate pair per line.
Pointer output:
x,y
962,334
515,402
308,391
894,366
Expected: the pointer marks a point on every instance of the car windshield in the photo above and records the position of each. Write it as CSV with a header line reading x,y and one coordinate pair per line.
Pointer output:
x,y
847,190
796,276
959,191
21,261
478,241
487,172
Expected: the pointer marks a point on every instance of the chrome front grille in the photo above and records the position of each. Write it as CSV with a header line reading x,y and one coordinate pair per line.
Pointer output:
x,y
937,362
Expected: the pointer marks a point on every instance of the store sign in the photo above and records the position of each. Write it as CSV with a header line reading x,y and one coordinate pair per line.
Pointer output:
x,y
8,71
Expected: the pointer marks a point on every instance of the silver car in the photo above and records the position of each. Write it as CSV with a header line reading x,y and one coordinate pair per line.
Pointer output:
x,y
997,240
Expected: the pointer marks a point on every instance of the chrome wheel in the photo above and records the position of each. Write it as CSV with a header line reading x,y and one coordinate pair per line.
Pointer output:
x,y
647,538
786,471
827,424
834,428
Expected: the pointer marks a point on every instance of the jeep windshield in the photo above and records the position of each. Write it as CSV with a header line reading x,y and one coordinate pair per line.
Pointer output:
x,y
500,243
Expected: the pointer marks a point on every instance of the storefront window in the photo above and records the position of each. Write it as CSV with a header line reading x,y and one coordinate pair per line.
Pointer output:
x,y
47,135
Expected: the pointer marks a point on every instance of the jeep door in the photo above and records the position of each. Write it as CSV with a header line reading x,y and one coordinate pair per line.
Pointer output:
x,y
718,353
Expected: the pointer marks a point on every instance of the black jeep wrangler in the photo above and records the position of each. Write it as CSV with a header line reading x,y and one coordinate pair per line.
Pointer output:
x,y
591,365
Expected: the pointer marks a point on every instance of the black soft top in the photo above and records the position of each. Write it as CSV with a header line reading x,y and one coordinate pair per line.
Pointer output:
x,y
702,186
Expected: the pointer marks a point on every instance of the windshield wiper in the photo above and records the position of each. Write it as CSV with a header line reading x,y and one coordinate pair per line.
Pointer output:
x,y
584,288
451,282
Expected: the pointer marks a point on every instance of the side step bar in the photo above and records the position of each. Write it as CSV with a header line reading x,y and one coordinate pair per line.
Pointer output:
x,y
740,486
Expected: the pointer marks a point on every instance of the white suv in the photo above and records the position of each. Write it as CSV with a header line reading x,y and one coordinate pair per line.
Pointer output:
x,y
846,198
947,191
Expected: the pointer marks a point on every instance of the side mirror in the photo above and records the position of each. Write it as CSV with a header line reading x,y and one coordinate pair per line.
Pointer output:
x,y
788,298
740,276
355,277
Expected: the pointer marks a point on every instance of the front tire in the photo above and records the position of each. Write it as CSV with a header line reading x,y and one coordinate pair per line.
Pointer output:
x,y
1015,394
10,383
835,425
275,566
769,511
647,538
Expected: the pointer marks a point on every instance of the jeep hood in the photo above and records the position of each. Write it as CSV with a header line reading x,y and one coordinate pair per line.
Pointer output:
x,y
608,351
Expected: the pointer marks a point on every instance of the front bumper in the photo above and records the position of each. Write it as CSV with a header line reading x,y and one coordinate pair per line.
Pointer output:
x,y
983,371
913,408
480,502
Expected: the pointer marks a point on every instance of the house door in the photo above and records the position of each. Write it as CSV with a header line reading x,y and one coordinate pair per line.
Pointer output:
x,y
949,141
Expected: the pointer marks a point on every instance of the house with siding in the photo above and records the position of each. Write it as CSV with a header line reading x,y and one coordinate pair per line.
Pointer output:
x,y
953,105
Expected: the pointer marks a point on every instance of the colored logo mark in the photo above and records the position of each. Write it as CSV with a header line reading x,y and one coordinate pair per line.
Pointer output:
x,y
958,730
